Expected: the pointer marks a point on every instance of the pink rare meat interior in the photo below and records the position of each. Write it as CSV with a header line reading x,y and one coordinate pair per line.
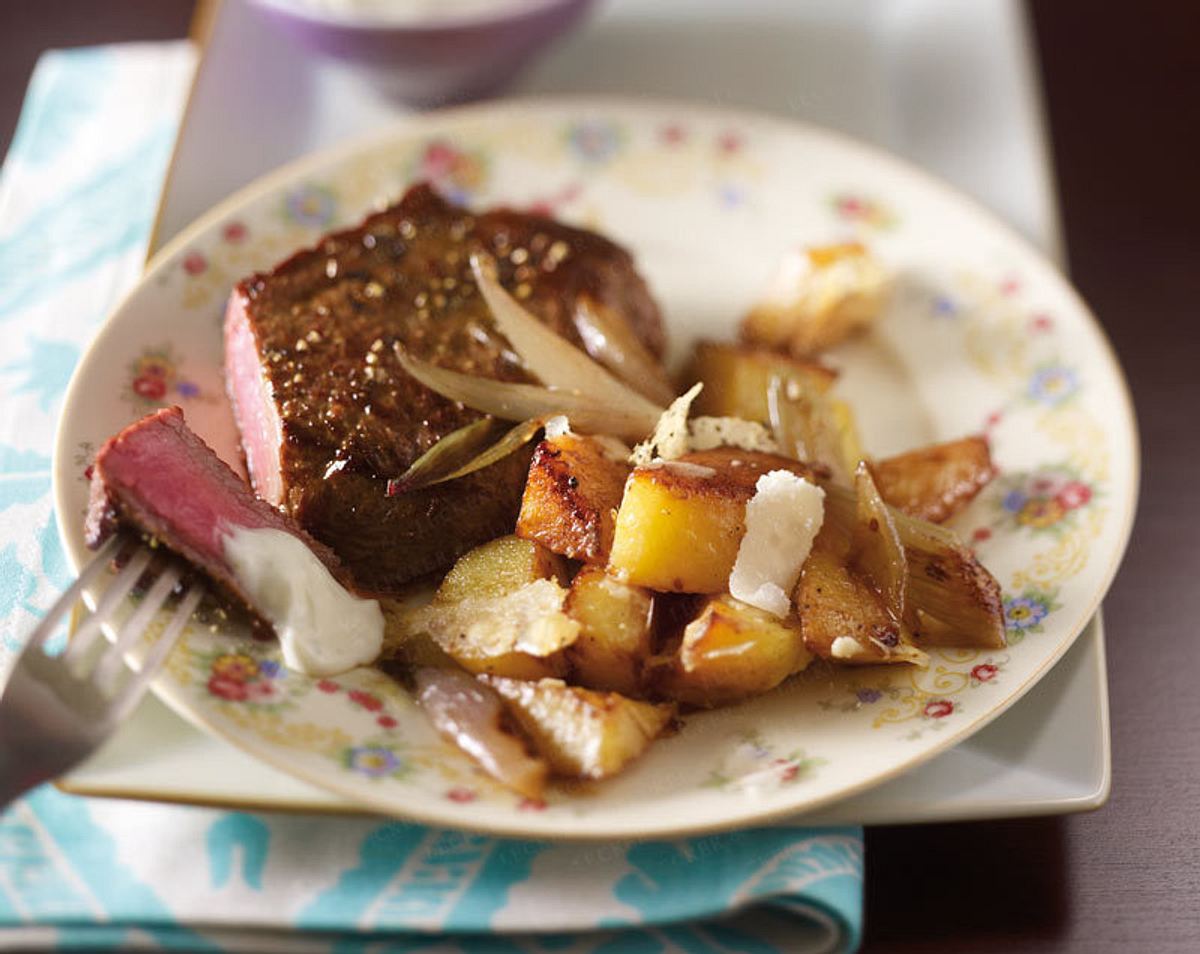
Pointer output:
x,y
160,478
253,407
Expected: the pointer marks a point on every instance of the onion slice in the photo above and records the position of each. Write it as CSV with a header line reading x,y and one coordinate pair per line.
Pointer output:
x,y
547,355
440,472
623,418
611,341
470,714
876,548
437,463
513,439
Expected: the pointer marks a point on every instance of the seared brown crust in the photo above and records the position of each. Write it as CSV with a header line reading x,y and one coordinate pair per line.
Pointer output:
x,y
325,322
736,472
936,481
571,497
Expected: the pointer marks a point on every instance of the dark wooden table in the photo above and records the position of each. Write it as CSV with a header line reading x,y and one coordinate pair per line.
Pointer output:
x,y
1122,86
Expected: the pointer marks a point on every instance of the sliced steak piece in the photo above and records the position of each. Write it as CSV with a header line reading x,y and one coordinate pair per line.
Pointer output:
x,y
326,413
158,477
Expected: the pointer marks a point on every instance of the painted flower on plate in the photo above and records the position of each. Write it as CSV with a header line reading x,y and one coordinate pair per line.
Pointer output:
x,y
367,700
458,173
863,210
149,387
594,140
1044,500
1073,495
375,761
194,264
310,205
234,690
237,667
1040,512
939,708
1025,612
1052,385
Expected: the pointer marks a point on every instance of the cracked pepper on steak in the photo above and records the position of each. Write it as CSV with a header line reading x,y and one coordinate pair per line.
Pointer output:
x,y
326,414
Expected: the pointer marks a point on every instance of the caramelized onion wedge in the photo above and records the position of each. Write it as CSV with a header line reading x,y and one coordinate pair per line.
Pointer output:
x,y
628,419
513,439
470,714
445,469
877,551
548,356
813,425
611,341
951,599
437,463
787,425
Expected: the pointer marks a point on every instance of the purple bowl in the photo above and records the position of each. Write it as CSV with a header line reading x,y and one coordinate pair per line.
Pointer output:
x,y
430,61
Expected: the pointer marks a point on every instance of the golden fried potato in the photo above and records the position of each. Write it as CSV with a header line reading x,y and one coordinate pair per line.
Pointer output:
x,y
737,377
580,732
571,497
820,296
499,610
499,567
681,522
732,651
936,481
614,636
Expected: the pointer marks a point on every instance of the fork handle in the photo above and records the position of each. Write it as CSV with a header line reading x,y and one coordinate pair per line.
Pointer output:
x,y
18,767
23,755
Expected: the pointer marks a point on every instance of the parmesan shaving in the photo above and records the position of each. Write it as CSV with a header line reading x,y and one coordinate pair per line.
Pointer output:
x,y
705,433
675,435
845,647
528,620
782,520
670,437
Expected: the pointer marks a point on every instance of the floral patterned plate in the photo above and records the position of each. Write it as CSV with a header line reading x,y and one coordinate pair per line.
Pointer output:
x,y
984,335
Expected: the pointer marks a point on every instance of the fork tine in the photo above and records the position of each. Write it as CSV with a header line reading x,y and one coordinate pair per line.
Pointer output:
x,y
125,581
130,693
71,595
105,674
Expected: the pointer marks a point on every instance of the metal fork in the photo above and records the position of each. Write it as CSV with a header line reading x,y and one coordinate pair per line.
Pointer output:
x,y
57,710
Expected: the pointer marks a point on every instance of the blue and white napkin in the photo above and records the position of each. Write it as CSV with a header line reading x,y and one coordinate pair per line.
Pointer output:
x,y
77,197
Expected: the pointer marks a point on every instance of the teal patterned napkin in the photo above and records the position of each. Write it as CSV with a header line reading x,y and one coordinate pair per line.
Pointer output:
x,y
77,196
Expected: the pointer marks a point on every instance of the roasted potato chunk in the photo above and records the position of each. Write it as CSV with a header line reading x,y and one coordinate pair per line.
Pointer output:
x,y
499,610
681,522
580,732
737,377
571,497
937,481
819,297
406,637
614,635
843,619
732,651
499,567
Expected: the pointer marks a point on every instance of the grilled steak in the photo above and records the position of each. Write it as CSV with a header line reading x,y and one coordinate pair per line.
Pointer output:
x,y
159,478
327,415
